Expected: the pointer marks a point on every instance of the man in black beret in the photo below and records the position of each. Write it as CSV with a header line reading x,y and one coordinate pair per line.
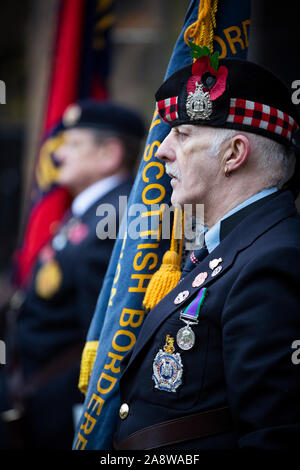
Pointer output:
x,y
214,364
101,143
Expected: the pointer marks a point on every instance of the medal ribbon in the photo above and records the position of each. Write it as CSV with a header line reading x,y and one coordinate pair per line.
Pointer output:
x,y
193,309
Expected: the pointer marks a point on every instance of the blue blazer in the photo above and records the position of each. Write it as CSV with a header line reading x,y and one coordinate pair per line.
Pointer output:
x,y
242,357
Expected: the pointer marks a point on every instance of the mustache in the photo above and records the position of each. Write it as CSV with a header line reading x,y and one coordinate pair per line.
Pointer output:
x,y
173,170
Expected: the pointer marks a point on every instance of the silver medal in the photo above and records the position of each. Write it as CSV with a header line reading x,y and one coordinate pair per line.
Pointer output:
x,y
185,338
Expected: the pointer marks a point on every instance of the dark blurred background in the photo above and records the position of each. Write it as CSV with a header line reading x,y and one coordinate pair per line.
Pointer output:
x,y
143,38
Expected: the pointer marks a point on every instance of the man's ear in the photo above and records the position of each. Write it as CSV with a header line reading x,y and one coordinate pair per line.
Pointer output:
x,y
113,155
236,154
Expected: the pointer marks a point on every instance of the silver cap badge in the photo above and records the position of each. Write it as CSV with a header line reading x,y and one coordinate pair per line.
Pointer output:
x,y
198,104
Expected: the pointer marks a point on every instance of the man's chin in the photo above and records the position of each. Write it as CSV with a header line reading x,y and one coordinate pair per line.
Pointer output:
x,y
176,201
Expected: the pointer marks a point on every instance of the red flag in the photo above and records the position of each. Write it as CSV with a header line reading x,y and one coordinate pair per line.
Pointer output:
x,y
79,70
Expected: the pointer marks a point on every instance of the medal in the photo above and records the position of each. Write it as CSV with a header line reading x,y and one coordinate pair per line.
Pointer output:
x,y
185,336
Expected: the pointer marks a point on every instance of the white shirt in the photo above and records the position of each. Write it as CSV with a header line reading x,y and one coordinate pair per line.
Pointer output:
x,y
90,195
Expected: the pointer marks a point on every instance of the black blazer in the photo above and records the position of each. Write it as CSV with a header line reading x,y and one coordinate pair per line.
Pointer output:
x,y
49,327
242,357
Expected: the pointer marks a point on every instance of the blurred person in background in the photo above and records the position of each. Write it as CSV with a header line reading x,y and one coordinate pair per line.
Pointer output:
x,y
96,164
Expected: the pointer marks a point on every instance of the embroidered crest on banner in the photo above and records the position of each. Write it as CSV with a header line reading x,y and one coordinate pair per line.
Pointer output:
x,y
167,367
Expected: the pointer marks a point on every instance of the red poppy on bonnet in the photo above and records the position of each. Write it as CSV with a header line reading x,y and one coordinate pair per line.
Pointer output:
x,y
212,81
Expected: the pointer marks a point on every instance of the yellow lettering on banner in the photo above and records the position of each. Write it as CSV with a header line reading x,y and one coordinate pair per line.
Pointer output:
x,y
98,403
233,35
111,365
85,426
245,24
232,40
131,336
148,154
151,213
80,440
118,270
110,379
154,120
152,233
156,233
131,314
147,245
156,200
161,171
149,256
222,45
112,294
140,287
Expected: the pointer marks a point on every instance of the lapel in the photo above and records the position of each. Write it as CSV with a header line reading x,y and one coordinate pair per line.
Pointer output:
x,y
241,237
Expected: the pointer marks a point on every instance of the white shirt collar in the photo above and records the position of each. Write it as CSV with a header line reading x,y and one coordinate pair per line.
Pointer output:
x,y
93,193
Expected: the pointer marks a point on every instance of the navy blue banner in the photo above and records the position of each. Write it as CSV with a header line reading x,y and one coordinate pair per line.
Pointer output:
x,y
119,313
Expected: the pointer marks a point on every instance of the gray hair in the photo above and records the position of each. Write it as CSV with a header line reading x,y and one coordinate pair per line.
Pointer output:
x,y
274,160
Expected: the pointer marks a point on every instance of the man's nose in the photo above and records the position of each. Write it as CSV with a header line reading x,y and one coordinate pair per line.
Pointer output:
x,y
166,151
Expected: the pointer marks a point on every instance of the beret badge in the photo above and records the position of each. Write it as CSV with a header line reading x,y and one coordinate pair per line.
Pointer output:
x,y
72,115
198,104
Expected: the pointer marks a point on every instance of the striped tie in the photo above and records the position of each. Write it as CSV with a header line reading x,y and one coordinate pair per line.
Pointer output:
x,y
194,259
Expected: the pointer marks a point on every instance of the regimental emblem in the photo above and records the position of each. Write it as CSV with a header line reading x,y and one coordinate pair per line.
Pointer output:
x,y
72,115
198,104
167,367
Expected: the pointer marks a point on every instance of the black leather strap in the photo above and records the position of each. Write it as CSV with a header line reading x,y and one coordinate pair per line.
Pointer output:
x,y
187,428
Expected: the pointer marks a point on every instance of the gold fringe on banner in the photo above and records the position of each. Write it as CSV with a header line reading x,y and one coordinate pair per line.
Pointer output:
x,y
87,362
202,31
168,275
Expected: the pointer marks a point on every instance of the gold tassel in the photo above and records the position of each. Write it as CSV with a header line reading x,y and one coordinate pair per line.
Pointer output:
x,y
168,275
202,31
87,362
